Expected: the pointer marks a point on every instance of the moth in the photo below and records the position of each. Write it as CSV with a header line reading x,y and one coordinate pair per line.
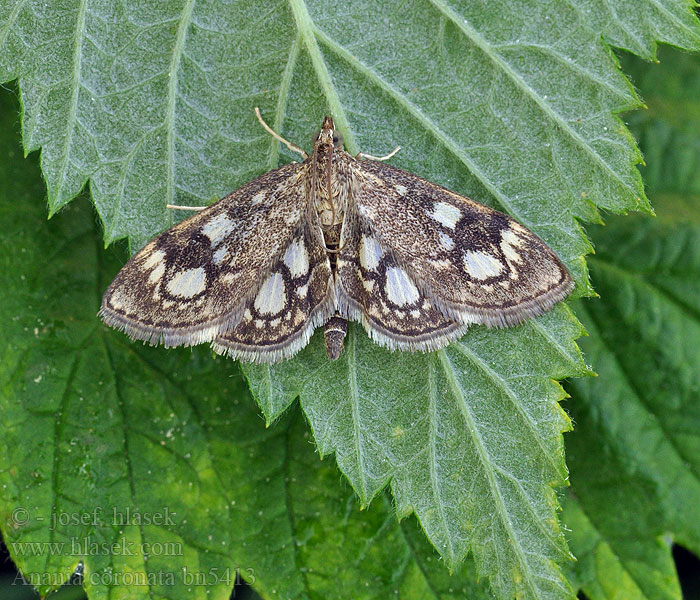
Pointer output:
x,y
330,239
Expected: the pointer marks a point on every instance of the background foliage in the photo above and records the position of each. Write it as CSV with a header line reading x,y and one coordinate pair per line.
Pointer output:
x,y
156,107
634,455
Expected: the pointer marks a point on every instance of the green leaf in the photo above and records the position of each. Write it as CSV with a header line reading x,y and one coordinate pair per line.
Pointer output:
x,y
92,424
620,552
344,551
510,104
637,26
154,104
429,429
634,457
635,454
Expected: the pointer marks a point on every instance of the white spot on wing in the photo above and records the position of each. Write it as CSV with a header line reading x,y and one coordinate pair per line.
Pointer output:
x,y
445,214
446,242
509,244
399,288
188,283
401,190
154,259
258,198
303,290
370,252
116,300
481,265
297,258
271,298
217,228
156,274
220,254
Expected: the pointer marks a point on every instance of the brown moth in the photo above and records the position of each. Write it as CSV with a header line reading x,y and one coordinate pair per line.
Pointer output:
x,y
334,238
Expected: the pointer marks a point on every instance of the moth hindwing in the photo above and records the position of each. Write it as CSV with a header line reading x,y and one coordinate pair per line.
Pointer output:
x,y
332,239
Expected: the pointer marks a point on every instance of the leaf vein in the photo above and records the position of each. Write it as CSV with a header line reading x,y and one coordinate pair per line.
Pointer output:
x,y
427,122
488,49
5,31
502,384
308,33
434,483
75,94
173,72
127,457
485,460
282,100
678,22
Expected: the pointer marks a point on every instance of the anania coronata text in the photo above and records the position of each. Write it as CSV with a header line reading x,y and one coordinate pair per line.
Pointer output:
x,y
334,238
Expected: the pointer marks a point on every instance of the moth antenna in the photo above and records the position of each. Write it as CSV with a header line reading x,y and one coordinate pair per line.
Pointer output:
x,y
278,137
385,157
176,207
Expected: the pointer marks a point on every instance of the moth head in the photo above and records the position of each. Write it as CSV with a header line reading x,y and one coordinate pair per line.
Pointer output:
x,y
328,135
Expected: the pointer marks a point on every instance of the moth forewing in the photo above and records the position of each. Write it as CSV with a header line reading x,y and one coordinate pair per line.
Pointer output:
x,y
333,238
477,265
296,297
194,281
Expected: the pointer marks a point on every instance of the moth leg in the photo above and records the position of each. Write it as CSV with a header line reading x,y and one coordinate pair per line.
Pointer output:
x,y
176,207
386,157
278,137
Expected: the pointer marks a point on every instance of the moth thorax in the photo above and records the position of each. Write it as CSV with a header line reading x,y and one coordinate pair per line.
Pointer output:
x,y
334,335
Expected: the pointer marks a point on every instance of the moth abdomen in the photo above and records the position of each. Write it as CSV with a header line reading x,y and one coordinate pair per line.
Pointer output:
x,y
334,335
